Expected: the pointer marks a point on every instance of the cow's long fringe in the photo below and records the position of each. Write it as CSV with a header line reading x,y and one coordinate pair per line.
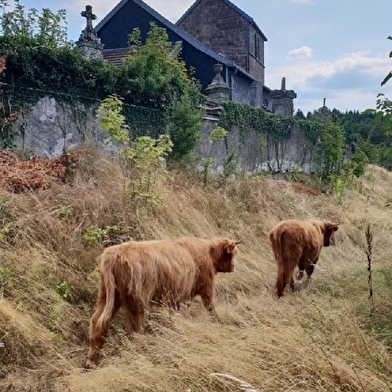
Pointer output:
x,y
136,274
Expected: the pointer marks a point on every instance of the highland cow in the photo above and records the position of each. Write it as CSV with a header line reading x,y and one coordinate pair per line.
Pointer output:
x,y
298,243
136,274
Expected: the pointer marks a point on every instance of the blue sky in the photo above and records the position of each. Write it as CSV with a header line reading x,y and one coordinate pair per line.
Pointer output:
x,y
333,49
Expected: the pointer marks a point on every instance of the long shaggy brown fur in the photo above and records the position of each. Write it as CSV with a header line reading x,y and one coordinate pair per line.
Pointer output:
x,y
298,243
136,274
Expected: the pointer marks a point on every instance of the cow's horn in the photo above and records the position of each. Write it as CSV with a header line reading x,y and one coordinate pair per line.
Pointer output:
x,y
237,242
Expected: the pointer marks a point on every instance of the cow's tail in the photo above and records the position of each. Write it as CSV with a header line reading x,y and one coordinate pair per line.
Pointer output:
x,y
105,302
283,277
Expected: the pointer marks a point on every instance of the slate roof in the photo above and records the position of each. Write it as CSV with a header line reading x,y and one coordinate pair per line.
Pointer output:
x,y
231,5
115,56
177,30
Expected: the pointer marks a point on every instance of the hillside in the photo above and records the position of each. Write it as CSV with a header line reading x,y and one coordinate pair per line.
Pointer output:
x,y
328,336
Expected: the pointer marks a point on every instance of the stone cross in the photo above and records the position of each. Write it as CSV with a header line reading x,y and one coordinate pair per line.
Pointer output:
x,y
88,42
88,14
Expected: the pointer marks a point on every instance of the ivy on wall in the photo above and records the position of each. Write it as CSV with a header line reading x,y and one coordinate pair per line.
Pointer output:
x,y
312,130
247,117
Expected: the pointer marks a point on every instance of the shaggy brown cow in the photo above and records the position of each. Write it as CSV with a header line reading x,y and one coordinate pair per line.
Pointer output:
x,y
135,274
298,243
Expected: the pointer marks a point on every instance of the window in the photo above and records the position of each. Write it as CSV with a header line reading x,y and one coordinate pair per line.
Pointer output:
x,y
257,46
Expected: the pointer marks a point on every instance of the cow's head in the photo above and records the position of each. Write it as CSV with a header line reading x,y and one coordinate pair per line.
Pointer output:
x,y
222,251
328,230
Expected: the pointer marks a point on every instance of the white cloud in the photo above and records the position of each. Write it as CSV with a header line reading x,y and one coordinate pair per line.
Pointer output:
x,y
350,82
353,63
304,52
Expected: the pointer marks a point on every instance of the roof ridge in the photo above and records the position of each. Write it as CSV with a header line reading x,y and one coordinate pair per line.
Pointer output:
x,y
228,2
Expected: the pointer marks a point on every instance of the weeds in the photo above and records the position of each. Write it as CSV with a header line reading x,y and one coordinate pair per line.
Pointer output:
x,y
50,278
109,234
369,242
63,290
5,279
142,159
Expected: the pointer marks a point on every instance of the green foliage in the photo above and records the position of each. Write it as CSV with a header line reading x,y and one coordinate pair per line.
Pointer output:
x,y
143,158
389,76
45,29
155,77
5,279
184,129
159,94
312,130
218,134
358,162
96,234
383,116
247,117
146,156
64,211
63,290
111,120
331,148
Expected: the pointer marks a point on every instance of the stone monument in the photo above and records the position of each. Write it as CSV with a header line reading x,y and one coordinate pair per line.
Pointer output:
x,y
89,43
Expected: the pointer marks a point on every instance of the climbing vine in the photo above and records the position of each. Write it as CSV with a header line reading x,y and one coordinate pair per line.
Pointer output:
x,y
312,130
247,117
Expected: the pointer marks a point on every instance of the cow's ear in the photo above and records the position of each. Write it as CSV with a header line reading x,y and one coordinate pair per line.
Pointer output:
x,y
333,227
228,246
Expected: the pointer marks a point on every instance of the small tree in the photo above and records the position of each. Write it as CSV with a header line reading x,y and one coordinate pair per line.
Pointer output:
x,y
184,129
29,27
154,76
384,110
142,159
331,148
8,116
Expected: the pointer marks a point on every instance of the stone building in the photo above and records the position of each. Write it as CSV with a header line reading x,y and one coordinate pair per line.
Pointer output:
x,y
227,30
210,32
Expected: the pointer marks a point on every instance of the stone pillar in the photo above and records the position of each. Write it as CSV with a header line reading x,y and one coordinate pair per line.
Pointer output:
x,y
218,91
89,43
282,100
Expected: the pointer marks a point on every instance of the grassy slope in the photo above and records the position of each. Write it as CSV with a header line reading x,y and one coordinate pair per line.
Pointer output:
x,y
321,338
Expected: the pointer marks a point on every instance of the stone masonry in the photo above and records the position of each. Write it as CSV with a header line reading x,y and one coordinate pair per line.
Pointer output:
x,y
226,31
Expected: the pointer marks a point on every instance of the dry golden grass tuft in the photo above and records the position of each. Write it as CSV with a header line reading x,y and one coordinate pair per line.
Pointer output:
x,y
324,337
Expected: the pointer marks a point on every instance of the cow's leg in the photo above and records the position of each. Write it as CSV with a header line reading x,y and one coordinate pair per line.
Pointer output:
x,y
134,317
98,331
309,269
208,302
280,283
292,284
301,267
284,278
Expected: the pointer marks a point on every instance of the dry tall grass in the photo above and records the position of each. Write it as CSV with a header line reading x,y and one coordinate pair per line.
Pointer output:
x,y
321,338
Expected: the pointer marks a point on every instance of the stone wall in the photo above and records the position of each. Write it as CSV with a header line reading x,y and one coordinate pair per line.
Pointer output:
x,y
50,129
254,154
